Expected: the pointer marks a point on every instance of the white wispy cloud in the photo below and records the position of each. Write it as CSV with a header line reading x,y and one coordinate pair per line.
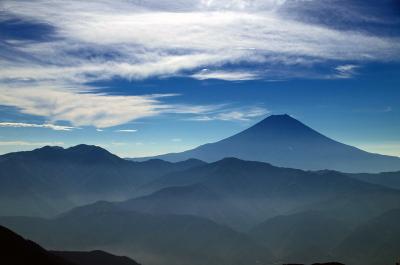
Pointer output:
x,y
226,75
346,70
241,114
32,125
379,109
28,143
126,130
80,109
150,38
82,106
118,143
176,140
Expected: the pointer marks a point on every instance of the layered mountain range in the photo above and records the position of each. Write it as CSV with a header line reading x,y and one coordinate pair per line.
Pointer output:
x,y
229,211
51,179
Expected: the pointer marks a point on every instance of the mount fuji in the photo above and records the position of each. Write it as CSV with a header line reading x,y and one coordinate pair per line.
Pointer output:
x,y
284,141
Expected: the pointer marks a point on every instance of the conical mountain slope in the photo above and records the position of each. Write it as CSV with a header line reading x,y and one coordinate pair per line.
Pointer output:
x,y
284,141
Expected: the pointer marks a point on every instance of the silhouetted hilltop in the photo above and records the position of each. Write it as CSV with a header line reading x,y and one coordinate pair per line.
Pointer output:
x,y
95,257
16,250
51,179
81,153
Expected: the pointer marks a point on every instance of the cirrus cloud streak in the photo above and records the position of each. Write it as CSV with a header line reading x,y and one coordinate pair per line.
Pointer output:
x,y
32,125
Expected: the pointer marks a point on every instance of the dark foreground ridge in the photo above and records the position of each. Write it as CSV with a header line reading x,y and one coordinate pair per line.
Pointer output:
x,y
328,263
95,257
19,251
16,250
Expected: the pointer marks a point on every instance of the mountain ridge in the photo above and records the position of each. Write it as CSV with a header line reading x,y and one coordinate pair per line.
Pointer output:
x,y
51,179
241,193
145,237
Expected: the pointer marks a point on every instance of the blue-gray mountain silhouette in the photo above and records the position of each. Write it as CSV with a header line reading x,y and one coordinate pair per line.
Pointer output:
x,y
284,141
305,237
388,179
51,179
242,193
375,242
149,239
201,215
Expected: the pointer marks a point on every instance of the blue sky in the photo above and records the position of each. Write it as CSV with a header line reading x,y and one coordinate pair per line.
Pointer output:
x,y
149,77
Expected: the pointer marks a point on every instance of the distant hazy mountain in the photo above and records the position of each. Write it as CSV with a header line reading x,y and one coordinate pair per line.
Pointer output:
x,y
243,193
284,141
388,179
150,239
376,242
304,237
16,250
50,180
329,263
